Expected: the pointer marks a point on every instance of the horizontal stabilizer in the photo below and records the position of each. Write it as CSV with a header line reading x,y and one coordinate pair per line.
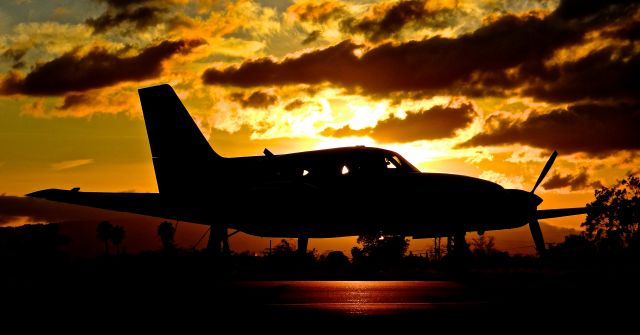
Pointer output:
x,y
560,212
150,204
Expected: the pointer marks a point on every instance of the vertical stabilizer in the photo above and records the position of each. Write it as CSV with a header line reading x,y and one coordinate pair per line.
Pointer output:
x,y
182,157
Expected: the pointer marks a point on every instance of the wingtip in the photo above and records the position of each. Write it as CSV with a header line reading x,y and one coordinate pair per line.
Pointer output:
x,y
36,194
43,194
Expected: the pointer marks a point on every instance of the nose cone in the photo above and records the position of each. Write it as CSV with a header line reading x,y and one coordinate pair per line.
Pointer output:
x,y
524,197
535,199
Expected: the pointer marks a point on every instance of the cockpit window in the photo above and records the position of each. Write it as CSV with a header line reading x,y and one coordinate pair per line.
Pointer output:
x,y
391,163
397,160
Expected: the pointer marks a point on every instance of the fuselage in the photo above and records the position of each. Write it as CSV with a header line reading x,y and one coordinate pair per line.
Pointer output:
x,y
344,192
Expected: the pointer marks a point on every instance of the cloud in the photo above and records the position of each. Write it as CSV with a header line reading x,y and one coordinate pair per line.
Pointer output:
x,y
64,165
73,72
312,37
388,19
346,131
15,55
575,182
510,54
591,128
434,123
316,12
609,73
580,9
257,99
431,64
295,104
75,99
138,13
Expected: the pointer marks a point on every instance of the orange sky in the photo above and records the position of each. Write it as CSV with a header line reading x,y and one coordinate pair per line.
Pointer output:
x,y
482,88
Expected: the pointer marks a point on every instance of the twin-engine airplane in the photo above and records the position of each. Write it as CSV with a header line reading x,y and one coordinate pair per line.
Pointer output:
x,y
314,194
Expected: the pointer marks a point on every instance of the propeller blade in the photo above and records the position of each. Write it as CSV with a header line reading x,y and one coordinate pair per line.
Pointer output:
x,y
536,233
560,212
546,169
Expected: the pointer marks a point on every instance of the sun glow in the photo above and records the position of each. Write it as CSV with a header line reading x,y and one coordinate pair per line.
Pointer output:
x,y
366,115
331,142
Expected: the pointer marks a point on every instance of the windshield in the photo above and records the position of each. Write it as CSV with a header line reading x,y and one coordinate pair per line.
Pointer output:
x,y
395,161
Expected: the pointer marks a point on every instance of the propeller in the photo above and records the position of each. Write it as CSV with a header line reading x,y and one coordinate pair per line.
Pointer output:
x,y
534,225
545,170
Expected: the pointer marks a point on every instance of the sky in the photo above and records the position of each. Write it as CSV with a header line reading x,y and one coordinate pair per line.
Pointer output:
x,y
482,88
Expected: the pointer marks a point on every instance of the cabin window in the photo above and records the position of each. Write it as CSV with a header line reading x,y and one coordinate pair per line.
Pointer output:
x,y
389,164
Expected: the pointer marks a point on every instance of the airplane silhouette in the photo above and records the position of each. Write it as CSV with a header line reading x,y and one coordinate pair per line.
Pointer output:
x,y
315,194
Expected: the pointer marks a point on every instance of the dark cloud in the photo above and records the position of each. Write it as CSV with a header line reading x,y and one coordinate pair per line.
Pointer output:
x,y
309,68
141,17
72,72
575,182
317,12
434,123
73,100
124,3
434,63
581,9
139,13
295,104
437,122
510,52
312,37
345,131
388,20
15,56
592,128
627,32
609,73
257,99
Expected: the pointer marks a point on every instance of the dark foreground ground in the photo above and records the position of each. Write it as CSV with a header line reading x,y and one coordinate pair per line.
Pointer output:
x,y
111,297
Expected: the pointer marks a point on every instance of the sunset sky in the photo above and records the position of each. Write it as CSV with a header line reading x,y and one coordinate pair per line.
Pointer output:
x,y
482,88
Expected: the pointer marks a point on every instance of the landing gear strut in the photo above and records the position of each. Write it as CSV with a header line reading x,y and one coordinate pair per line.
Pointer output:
x,y
218,241
457,245
303,242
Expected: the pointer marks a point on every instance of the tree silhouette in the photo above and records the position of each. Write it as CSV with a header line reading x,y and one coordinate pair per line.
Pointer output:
x,y
483,246
336,261
614,221
380,249
117,236
103,232
284,248
167,232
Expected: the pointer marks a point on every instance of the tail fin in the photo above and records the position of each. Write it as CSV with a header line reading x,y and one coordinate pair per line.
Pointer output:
x,y
182,157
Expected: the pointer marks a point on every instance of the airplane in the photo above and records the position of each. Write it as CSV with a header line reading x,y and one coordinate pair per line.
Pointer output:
x,y
328,193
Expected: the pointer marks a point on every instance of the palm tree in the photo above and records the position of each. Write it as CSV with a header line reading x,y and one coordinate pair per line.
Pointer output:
x,y
166,231
117,235
104,232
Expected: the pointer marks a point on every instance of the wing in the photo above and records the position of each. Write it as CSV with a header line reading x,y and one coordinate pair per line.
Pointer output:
x,y
560,212
138,203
